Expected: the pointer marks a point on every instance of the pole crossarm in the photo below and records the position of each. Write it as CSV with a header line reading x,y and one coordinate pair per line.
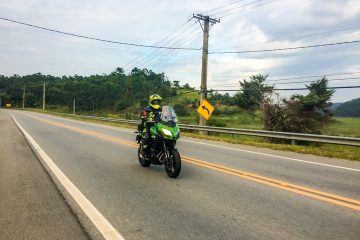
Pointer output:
x,y
204,18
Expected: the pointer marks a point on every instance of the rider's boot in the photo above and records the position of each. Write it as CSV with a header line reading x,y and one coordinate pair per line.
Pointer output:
x,y
143,151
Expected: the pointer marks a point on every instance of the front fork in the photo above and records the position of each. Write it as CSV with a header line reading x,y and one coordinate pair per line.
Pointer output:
x,y
166,151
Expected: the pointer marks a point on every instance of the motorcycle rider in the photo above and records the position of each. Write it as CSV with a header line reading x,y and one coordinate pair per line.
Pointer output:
x,y
149,116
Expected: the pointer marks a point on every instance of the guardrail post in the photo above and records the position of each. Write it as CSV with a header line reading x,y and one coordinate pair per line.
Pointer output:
x,y
293,142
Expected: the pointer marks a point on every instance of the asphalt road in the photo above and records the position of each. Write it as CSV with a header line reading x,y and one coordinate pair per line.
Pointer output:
x,y
234,192
31,207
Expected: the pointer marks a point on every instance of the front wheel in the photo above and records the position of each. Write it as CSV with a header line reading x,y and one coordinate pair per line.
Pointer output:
x,y
173,165
142,161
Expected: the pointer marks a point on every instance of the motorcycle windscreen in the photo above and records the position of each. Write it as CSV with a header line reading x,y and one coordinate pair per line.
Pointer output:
x,y
168,115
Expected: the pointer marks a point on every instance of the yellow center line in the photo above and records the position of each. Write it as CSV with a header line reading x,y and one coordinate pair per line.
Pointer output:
x,y
324,196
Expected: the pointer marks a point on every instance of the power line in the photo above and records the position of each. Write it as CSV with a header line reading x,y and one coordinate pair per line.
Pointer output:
x,y
164,52
59,39
143,61
295,37
259,5
97,39
313,76
167,52
157,43
285,49
284,83
231,9
330,80
278,89
295,78
223,6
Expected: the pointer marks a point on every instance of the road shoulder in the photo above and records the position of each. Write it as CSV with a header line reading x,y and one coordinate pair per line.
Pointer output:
x,y
31,207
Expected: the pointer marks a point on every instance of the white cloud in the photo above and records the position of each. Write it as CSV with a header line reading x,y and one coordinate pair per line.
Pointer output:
x,y
25,50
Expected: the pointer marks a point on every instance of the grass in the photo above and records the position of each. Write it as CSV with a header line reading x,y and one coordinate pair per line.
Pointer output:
x,y
324,150
345,126
239,120
349,127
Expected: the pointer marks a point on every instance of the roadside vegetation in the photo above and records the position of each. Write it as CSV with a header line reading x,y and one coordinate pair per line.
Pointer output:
x,y
255,106
325,150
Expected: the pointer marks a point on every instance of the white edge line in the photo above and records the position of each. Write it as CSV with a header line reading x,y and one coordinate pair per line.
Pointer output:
x,y
237,149
270,155
101,223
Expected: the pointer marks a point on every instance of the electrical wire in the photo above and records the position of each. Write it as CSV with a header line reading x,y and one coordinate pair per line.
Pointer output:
x,y
167,52
284,83
295,78
237,7
143,58
159,42
59,40
285,49
293,38
223,6
313,76
277,89
97,39
246,9
330,80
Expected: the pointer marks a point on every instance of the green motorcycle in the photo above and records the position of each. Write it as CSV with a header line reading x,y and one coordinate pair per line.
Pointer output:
x,y
162,148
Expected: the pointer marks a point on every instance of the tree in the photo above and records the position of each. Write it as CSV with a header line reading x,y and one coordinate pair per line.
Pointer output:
x,y
253,92
112,92
176,84
302,114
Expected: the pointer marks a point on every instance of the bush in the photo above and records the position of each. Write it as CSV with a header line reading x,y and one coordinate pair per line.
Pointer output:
x,y
180,109
226,110
300,114
216,122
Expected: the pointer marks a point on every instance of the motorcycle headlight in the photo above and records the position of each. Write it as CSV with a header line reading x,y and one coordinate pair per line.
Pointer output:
x,y
166,132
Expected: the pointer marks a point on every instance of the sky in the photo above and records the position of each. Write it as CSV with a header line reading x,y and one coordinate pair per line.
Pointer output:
x,y
244,25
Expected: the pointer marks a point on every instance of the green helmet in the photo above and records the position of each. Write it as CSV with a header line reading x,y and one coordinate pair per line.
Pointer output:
x,y
155,101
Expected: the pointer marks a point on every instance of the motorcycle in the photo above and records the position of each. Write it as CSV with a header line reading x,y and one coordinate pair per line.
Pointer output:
x,y
162,150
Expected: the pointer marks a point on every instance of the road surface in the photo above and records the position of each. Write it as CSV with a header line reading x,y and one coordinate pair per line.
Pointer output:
x,y
224,191
31,207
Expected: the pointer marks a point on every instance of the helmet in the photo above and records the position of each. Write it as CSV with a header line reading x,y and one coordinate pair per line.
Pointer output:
x,y
155,101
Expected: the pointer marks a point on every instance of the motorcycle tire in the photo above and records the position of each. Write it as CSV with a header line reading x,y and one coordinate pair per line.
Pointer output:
x,y
143,162
174,167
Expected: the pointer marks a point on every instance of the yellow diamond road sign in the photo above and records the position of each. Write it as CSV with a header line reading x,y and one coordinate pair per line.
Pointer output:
x,y
205,109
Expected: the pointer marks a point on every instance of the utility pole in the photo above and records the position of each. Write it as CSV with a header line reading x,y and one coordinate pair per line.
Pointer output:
x,y
74,104
44,97
206,28
23,105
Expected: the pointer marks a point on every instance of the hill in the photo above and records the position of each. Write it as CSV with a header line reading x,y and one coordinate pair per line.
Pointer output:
x,y
334,106
349,109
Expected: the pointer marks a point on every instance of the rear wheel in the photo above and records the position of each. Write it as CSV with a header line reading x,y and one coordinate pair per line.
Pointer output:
x,y
142,161
173,166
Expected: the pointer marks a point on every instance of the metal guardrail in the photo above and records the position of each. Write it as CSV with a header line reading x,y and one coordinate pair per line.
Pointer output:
x,y
351,141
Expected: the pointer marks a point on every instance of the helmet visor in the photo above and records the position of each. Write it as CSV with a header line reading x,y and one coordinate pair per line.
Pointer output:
x,y
156,102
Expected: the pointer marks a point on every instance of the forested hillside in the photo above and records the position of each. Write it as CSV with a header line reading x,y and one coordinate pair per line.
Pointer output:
x,y
118,92
110,92
349,109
